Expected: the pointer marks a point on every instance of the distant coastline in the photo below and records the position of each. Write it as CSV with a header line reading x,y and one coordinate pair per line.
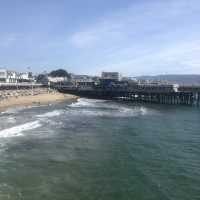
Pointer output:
x,y
181,79
29,97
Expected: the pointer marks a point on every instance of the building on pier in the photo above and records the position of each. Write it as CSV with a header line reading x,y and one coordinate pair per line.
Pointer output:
x,y
158,87
115,76
82,80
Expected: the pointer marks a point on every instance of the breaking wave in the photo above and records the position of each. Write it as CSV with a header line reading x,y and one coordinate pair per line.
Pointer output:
x,y
18,130
93,107
82,102
121,112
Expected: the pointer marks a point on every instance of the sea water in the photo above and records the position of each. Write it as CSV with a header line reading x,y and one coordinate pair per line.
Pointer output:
x,y
95,149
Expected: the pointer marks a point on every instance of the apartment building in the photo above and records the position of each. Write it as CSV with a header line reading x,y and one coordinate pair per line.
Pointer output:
x,y
9,76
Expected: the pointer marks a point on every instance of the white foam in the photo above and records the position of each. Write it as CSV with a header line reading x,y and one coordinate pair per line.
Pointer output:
x,y
129,112
51,114
94,104
144,111
37,106
117,112
18,130
93,107
11,119
82,102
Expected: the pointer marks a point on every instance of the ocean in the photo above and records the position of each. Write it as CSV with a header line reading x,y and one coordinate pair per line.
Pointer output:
x,y
100,150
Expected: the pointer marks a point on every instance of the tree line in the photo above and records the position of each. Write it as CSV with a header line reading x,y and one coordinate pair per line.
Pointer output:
x,y
41,78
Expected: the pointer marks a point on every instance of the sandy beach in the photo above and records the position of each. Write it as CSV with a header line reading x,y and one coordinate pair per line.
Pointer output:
x,y
45,98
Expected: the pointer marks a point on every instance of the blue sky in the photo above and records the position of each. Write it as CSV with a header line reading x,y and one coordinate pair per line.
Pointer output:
x,y
138,37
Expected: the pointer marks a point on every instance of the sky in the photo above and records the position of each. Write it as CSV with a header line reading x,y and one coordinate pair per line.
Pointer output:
x,y
134,37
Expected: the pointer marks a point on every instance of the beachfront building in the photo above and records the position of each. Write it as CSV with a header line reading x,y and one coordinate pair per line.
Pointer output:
x,y
26,77
8,76
3,75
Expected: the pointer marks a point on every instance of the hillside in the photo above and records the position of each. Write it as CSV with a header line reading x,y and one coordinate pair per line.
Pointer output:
x,y
185,79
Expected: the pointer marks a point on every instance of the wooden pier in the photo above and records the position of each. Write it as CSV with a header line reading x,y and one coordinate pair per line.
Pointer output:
x,y
182,96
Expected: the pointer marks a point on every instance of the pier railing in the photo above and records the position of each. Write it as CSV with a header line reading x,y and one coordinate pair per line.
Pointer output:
x,y
13,86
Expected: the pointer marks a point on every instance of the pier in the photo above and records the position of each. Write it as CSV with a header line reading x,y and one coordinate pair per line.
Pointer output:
x,y
160,94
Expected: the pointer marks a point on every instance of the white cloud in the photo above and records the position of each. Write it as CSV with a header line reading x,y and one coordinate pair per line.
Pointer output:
x,y
95,35
154,37
143,19
178,58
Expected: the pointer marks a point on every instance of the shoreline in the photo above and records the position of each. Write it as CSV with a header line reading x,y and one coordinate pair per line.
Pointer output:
x,y
39,99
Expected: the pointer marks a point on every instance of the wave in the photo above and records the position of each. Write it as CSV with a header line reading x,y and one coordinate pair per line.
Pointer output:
x,y
82,102
18,130
121,112
93,107
132,112
51,114
94,104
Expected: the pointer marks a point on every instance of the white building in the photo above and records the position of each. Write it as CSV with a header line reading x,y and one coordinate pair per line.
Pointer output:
x,y
26,77
111,76
81,78
57,79
3,75
8,76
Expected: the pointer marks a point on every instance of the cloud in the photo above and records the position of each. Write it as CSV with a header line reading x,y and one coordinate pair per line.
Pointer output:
x,y
95,35
148,37
178,58
145,19
151,37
